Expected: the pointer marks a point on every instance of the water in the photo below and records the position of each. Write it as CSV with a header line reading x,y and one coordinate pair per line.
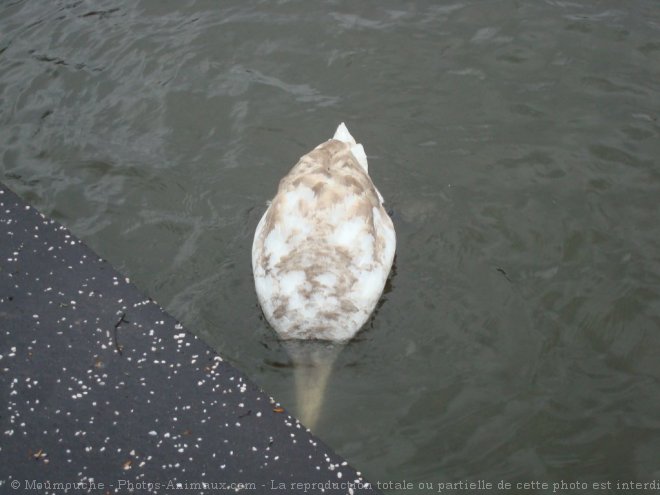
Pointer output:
x,y
516,144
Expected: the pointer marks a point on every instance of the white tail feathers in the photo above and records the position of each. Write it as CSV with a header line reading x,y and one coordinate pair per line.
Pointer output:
x,y
360,156
342,134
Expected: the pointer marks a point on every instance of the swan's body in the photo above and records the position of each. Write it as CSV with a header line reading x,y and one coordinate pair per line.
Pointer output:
x,y
324,247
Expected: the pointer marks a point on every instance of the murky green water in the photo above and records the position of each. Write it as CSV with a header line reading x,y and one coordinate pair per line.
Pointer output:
x,y
516,143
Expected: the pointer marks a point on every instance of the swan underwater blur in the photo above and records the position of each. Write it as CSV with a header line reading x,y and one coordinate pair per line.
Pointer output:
x,y
321,256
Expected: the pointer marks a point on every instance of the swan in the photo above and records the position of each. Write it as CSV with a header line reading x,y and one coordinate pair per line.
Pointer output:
x,y
324,248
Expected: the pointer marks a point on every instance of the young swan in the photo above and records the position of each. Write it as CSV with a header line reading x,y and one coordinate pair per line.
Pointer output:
x,y
324,248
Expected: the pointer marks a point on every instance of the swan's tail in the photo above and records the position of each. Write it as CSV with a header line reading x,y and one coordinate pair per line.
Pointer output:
x,y
342,134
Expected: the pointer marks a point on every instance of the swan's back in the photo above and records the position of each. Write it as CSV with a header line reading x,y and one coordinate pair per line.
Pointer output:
x,y
324,248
